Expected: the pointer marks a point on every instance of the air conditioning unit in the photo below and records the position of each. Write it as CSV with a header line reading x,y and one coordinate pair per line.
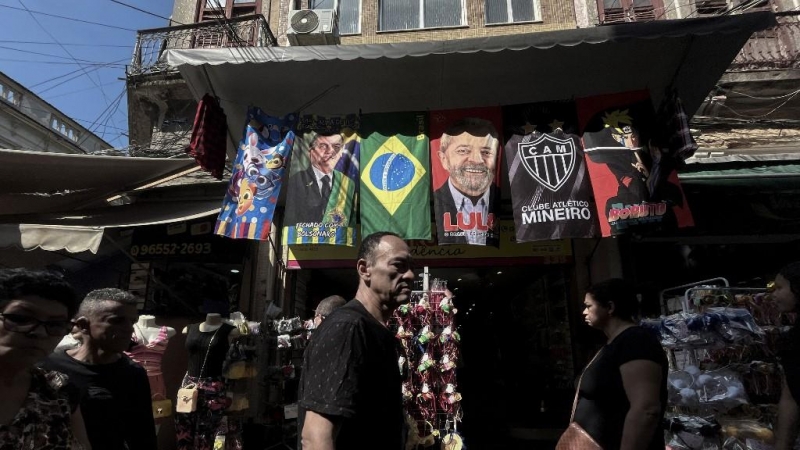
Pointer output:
x,y
313,27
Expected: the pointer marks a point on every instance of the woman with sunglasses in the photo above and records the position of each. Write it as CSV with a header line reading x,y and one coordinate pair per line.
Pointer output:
x,y
35,411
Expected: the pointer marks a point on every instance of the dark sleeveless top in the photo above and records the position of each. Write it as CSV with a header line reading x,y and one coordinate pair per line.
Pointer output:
x,y
789,355
197,344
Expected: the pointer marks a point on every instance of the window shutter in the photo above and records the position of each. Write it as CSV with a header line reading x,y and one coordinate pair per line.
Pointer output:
x,y
711,7
613,15
643,13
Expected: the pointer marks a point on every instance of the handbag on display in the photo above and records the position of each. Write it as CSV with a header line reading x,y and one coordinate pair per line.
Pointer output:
x,y
187,399
161,408
188,396
575,437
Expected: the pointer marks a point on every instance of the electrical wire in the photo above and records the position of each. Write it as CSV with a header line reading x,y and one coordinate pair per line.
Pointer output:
x,y
102,114
50,111
761,116
72,72
11,41
146,12
63,48
80,90
114,107
763,98
61,62
111,115
68,18
43,54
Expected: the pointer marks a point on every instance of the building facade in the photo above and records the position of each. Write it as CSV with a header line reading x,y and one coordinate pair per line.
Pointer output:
x,y
29,123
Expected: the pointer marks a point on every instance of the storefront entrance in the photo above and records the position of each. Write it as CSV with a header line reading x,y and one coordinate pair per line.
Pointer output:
x,y
517,357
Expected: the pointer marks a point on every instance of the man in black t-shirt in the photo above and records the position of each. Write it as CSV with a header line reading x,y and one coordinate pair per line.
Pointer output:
x,y
350,391
115,394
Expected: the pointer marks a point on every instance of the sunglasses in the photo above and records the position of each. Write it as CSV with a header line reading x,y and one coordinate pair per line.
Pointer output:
x,y
20,323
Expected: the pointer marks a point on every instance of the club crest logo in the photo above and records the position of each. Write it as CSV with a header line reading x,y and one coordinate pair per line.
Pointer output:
x,y
549,160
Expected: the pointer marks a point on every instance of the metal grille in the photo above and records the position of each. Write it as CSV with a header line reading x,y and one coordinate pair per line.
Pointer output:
x,y
245,31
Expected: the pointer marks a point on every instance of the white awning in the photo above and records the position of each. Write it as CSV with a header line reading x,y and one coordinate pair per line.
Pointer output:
x,y
689,54
39,182
82,230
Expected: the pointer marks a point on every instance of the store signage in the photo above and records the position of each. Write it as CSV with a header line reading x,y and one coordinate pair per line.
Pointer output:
x,y
190,241
428,253
167,248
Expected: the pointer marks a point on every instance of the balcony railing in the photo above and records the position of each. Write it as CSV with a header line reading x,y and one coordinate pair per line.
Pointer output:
x,y
245,31
774,48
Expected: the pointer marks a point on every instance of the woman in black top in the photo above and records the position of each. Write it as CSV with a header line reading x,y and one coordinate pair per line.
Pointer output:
x,y
623,392
787,297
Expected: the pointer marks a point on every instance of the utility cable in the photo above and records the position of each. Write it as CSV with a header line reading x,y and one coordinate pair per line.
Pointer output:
x,y
761,116
67,18
80,90
103,113
146,12
63,48
75,71
11,41
44,54
66,63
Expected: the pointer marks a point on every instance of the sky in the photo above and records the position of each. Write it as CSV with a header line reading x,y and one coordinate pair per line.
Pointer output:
x,y
77,67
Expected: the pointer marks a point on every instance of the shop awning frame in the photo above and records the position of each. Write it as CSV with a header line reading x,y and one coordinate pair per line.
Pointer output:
x,y
689,54
41,182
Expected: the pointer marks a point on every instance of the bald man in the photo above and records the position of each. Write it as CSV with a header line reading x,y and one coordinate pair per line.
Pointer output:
x,y
326,306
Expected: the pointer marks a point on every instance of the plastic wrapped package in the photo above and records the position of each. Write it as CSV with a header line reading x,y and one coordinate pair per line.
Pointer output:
x,y
692,433
715,328
747,432
736,324
718,388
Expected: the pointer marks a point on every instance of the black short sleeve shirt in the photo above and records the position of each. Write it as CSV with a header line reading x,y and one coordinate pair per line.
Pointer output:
x,y
350,370
789,354
602,401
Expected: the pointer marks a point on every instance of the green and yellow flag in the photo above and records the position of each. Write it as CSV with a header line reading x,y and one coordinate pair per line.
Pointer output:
x,y
395,175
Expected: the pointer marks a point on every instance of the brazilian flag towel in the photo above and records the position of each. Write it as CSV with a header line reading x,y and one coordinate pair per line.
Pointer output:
x,y
395,175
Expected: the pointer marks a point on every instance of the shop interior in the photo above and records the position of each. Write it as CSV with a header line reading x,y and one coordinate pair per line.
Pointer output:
x,y
517,365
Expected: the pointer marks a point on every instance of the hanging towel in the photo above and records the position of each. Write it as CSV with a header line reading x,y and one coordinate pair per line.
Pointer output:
x,y
208,142
678,138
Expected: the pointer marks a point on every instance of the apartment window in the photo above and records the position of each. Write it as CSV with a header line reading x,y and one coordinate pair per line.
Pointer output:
x,y
512,11
227,9
614,11
348,13
10,95
416,14
246,33
64,128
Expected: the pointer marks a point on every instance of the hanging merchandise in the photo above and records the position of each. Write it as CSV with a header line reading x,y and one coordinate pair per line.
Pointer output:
x,y
395,175
257,177
430,342
550,189
724,383
323,182
208,144
635,183
465,161
202,399
149,344
676,140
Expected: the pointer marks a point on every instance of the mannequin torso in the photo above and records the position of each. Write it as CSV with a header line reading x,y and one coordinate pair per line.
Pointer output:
x,y
212,323
146,331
